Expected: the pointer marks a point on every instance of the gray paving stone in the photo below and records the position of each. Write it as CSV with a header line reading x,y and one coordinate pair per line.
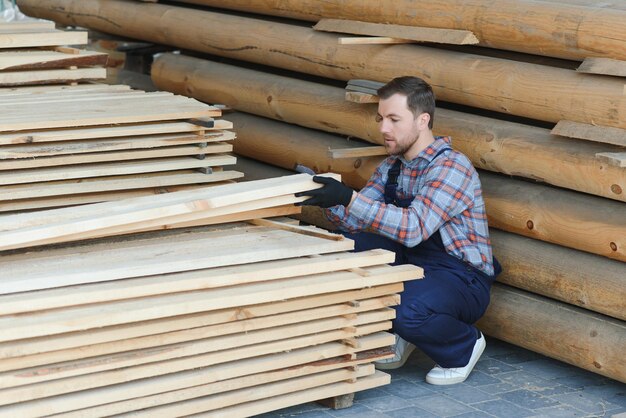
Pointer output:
x,y
299,409
492,366
619,399
411,412
609,390
498,347
410,372
559,411
497,388
467,394
527,380
475,414
581,379
406,389
586,402
527,399
548,368
518,357
442,405
478,378
502,408
619,412
372,393
386,403
355,409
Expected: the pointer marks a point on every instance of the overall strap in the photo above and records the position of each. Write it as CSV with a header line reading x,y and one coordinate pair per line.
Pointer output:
x,y
392,182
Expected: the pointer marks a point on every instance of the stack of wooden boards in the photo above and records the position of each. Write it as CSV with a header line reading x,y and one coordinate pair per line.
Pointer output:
x,y
230,320
33,52
553,241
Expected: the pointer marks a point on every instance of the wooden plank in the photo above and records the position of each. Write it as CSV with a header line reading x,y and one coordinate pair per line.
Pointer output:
x,y
267,390
282,401
47,345
39,150
28,37
358,97
604,134
85,96
154,254
603,66
105,132
123,358
414,33
371,40
187,384
99,184
174,337
200,152
11,92
112,169
31,59
121,312
77,114
617,159
27,24
368,151
20,78
95,380
108,291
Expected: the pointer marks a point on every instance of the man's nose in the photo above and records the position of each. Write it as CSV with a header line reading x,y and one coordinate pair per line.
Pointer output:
x,y
384,126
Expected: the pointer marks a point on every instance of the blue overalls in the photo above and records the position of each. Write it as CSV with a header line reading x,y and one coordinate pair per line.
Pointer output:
x,y
437,312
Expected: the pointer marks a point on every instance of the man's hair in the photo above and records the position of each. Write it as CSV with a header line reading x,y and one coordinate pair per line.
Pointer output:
x,y
419,95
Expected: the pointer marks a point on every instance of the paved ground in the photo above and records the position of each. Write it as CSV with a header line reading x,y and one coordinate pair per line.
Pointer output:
x,y
508,382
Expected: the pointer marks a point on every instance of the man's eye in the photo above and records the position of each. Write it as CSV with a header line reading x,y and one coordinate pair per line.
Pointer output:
x,y
394,119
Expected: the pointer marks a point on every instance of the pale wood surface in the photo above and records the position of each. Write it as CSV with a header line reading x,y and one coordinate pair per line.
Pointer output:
x,y
415,33
30,59
577,336
372,40
17,78
603,134
603,66
12,37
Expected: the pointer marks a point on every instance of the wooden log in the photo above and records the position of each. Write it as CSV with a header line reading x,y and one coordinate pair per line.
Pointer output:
x,y
575,277
578,36
574,220
567,218
490,144
419,34
585,339
519,88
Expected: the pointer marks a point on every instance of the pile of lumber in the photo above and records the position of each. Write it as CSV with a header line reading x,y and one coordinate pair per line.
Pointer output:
x,y
66,144
568,233
34,52
234,319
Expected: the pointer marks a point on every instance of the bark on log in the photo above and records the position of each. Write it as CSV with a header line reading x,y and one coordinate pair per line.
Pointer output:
x,y
571,219
585,280
523,89
491,144
543,28
567,333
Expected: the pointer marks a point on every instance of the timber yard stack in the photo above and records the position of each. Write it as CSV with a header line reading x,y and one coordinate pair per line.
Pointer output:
x,y
159,313
559,236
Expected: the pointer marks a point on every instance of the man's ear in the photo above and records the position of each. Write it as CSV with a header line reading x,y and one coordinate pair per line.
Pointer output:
x,y
423,120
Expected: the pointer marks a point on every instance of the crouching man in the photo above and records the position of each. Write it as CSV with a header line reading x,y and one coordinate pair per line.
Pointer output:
x,y
425,203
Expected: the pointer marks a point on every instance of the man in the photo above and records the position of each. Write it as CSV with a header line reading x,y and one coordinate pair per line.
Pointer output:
x,y
424,202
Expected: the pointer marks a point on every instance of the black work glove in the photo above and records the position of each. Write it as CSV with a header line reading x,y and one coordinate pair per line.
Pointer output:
x,y
332,194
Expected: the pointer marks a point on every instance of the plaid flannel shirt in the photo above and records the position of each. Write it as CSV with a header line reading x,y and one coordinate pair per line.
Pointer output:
x,y
446,196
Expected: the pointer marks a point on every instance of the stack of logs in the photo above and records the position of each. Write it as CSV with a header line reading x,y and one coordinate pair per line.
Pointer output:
x,y
559,227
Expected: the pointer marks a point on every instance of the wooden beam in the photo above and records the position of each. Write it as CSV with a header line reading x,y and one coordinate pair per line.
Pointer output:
x,y
372,40
561,273
576,336
38,59
357,152
12,37
603,66
358,97
21,78
414,33
520,87
617,159
589,132
491,144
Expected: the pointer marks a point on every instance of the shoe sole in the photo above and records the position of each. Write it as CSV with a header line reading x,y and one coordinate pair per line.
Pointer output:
x,y
460,379
396,364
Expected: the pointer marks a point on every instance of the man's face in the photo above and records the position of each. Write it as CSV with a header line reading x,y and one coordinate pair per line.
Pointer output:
x,y
400,129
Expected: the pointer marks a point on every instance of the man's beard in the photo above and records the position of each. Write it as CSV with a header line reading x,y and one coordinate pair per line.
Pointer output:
x,y
401,149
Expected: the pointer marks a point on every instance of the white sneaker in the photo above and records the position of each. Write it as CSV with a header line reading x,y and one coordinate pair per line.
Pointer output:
x,y
402,349
442,376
